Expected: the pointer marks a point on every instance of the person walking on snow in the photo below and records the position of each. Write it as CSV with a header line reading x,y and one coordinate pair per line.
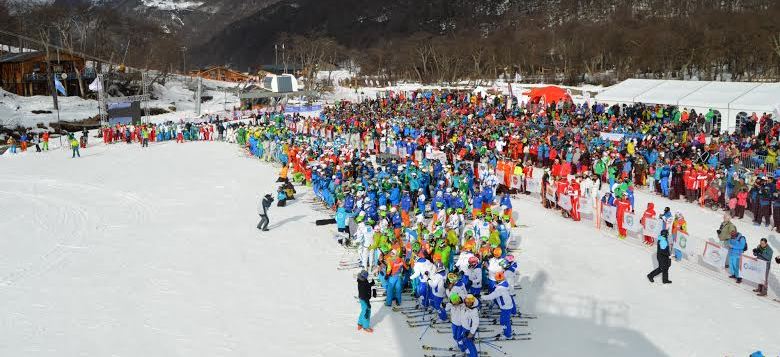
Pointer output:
x,y
262,210
364,295
74,146
663,253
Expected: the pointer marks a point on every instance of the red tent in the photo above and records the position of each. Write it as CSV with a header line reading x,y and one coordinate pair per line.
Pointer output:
x,y
548,94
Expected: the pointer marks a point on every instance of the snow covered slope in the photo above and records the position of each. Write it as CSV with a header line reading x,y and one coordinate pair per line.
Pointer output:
x,y
18,110
131,252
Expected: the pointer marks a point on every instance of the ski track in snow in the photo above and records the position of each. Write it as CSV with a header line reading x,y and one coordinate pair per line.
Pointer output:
x,y
130,252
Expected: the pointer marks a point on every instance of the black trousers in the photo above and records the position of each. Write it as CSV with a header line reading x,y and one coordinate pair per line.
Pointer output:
x,y
764,212
664,262
263,222
776,217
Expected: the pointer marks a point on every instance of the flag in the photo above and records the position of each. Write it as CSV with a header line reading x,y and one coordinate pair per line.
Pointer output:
x,y
95,86
59,86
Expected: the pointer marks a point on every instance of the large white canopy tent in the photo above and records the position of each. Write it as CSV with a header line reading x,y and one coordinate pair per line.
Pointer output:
x,y
729,99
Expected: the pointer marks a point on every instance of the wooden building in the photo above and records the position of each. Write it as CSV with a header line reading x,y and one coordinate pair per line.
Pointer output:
x,y
27,74
220,73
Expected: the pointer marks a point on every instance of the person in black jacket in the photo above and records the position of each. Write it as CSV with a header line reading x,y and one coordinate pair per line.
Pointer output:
x,y
663,253
263,212
364,295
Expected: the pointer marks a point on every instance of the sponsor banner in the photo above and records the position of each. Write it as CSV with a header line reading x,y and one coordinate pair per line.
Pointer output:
x,y
752,269
653,227
611,136
609,213
715,255
631,223
565,202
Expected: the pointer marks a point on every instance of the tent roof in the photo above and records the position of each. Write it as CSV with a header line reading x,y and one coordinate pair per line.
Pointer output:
x,y
748,96
627,90
669,92
763,98
717,94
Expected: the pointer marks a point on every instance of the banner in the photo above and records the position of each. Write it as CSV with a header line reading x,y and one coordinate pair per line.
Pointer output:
x,y
653,227
586,205
715,255
631,223
611,136
565,202
418,155
516,182
752,269
609,213
685,244
550,196
500,176
534,185
439,155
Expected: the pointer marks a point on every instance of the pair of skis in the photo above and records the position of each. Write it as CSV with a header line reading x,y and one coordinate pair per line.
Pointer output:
x,y
500,337
450,349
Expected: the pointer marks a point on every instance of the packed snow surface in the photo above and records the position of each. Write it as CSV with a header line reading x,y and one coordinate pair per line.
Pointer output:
x,y
154,252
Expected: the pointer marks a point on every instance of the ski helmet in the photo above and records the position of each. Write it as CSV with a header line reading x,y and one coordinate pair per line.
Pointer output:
x,y
452,277
470,300
497,252
455,298
473,261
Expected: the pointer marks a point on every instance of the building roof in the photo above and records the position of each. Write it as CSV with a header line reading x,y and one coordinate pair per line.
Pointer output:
x,y
18,57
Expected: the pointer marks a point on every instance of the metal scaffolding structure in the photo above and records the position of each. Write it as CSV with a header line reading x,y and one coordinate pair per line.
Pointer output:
x,y
104,100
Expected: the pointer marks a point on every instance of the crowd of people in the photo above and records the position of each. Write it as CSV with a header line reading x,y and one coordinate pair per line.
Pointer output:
x,y
420,181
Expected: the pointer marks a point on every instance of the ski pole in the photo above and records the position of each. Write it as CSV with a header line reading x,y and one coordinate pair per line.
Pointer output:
x,y
427,327
495,347
424,332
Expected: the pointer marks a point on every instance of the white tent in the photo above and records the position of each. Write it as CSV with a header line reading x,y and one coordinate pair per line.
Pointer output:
x,y
729,99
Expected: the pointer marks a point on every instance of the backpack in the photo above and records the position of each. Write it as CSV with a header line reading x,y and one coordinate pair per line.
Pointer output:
x,y
744,247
